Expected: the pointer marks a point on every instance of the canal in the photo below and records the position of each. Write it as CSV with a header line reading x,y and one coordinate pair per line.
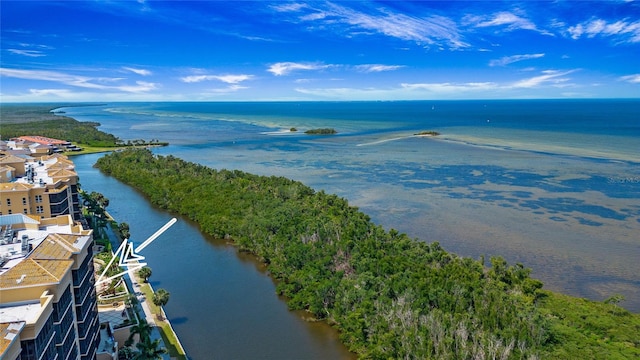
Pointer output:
x,y
223,305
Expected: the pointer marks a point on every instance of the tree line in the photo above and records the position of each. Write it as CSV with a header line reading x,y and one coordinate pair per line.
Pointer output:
x,y
21,120
390,296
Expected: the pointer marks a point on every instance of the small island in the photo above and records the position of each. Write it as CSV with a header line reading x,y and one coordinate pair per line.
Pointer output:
x,y
324,131
427,133
293,129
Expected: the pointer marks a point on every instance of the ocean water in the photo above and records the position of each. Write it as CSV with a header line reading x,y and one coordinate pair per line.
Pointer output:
x,y
552,184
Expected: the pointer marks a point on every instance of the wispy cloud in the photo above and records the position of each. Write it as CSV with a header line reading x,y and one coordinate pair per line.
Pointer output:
x,y
284,68
451,87
554,77
142,72
504,19
78,80
448,90
29,53
229,79
63,93
228,89
425,30
623,31
634,79
514,58
288,7
369,68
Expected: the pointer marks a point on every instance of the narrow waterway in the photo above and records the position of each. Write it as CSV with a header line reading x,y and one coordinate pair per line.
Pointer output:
x,y
223,305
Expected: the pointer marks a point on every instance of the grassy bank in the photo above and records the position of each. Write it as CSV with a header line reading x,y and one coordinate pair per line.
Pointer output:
x,y
168,335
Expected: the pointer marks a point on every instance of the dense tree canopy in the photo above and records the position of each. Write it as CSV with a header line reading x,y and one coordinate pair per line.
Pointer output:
x,y
390,296
19,120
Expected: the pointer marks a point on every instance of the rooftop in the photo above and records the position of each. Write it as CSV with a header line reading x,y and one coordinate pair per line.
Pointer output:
x,y
43,140
8,332
51,240
27,312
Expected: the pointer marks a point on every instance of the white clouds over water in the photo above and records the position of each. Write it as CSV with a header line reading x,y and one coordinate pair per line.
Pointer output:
x,y
369,50
98,83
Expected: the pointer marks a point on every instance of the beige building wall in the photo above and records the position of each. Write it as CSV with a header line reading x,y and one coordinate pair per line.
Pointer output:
x,y
18,198
6,173
15,162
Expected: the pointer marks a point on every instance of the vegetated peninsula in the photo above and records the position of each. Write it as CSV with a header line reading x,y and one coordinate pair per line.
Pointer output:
x,y
323,131
427,133
39,119
389,296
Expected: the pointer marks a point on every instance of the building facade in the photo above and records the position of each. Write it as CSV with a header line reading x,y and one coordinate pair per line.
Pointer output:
x,y
48,305
47,186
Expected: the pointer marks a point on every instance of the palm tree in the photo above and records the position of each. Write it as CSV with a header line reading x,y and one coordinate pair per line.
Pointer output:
x,y
145,273
149,350
142,328
125,353
161,297
124,230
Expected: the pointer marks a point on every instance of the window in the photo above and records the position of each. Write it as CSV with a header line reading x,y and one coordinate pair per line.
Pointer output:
x,y
10,212
24,211
24,201
39,209
38,198
8,202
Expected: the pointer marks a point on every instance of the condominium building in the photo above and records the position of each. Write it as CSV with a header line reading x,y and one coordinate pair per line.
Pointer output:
x,y
48,307
47,186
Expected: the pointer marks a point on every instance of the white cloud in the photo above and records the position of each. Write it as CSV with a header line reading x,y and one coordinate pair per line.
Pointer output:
x,y
228,89
406,91
29,53
503,19
142,72
234,79
284,68
229,79
430,30
62,93
77,80
449,90
514,58
377,67
623,30
289,7
548,76
451,87
140,86
634,79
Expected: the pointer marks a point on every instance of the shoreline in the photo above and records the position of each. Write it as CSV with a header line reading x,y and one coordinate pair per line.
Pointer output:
x,y
135,286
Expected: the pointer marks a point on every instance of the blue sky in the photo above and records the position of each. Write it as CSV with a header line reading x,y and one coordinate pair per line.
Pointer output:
x,y
320,50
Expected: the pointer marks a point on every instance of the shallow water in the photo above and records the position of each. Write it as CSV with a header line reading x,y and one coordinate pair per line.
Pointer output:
x,y
554,185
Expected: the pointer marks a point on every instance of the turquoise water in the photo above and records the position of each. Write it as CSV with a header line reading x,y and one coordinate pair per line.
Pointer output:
x,y
554,185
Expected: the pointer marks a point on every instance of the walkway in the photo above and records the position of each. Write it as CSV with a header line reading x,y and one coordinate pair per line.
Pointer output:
x,y
133,285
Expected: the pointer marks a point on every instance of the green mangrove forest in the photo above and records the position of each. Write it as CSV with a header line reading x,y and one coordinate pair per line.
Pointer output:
x,y
39,119
323,131
390,296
